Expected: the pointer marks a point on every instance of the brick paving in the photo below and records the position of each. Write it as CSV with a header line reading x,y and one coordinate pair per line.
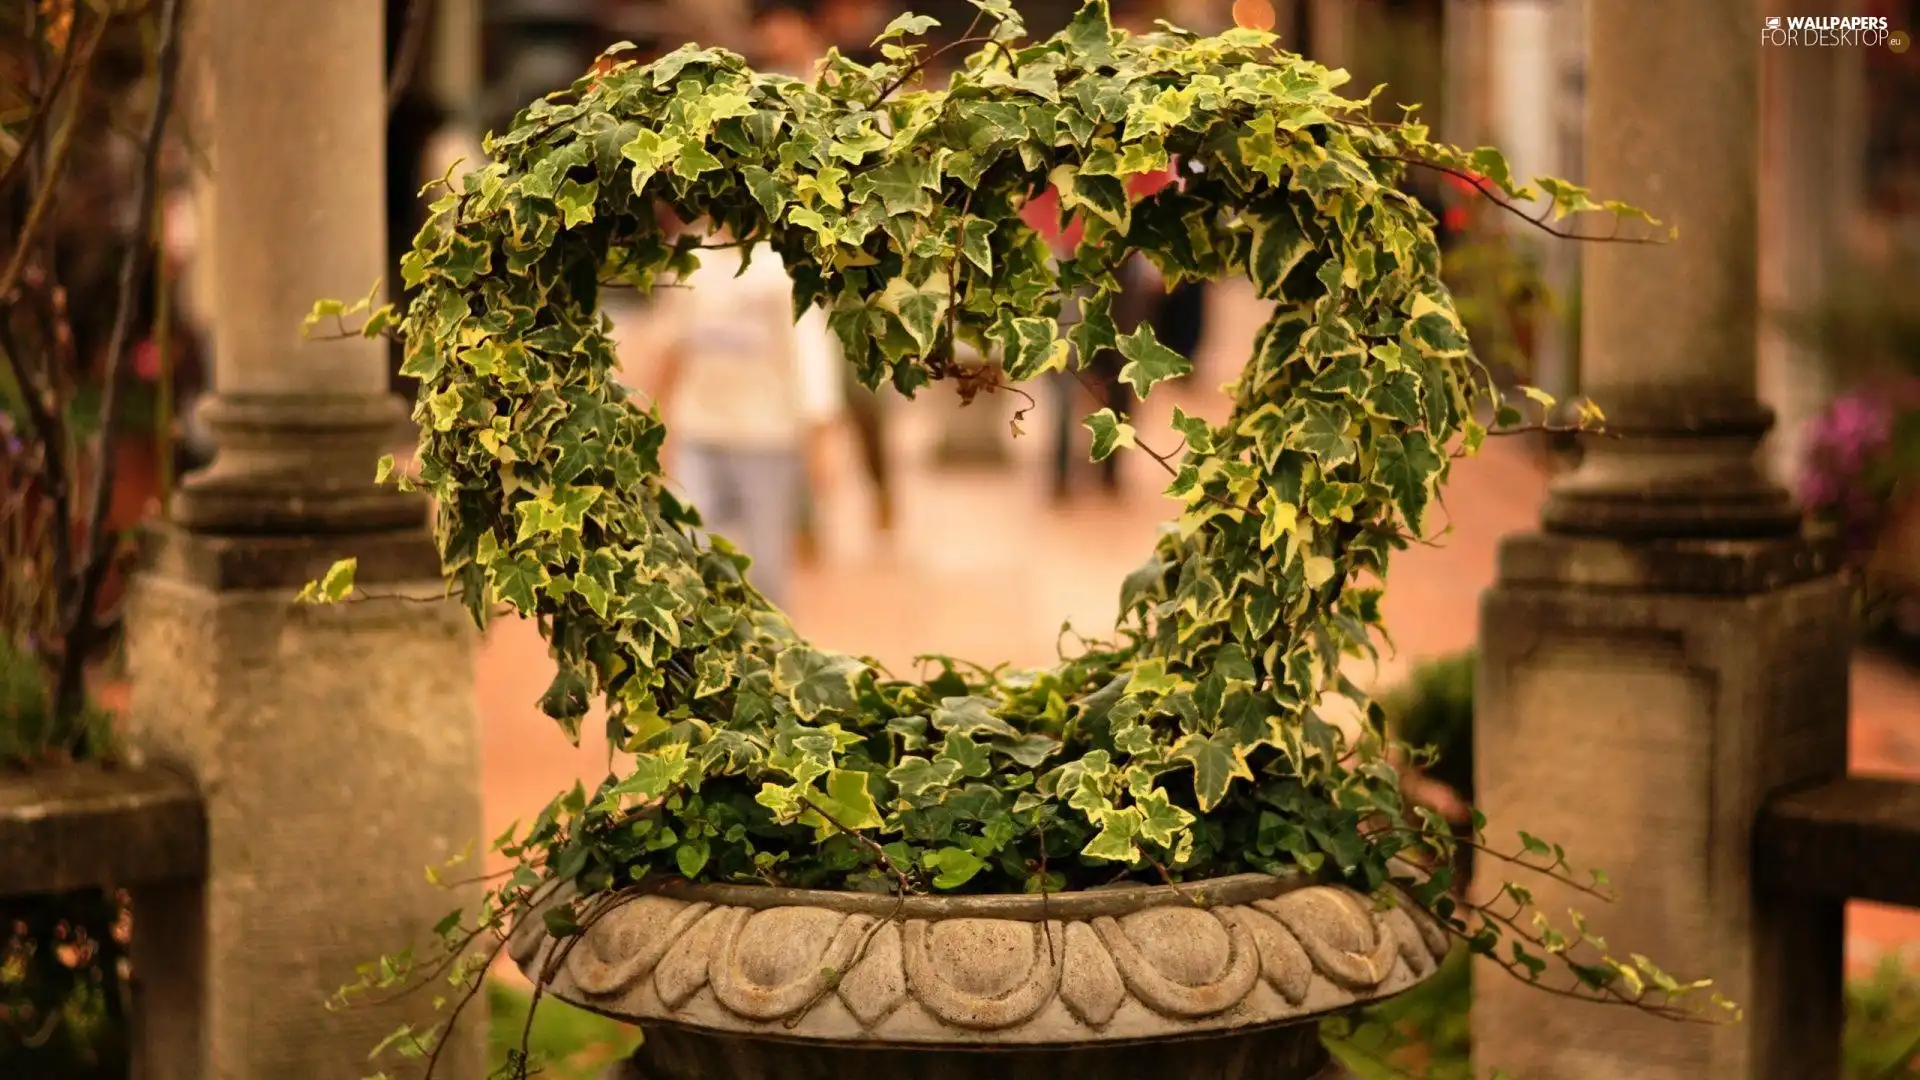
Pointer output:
x,y
982,566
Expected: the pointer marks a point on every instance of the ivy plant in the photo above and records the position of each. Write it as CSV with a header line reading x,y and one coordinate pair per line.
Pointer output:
x,y
1193,741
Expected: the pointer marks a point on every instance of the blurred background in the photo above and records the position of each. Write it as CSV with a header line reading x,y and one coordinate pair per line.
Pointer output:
x,y
926,526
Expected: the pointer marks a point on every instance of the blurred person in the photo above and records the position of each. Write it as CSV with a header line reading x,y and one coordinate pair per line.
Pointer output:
x,y
1180,320
1139,299
750,397
786,42
851,26
789,43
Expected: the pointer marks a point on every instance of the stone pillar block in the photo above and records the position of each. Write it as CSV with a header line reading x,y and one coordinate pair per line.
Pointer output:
x,y
1637,704
338,758
336,747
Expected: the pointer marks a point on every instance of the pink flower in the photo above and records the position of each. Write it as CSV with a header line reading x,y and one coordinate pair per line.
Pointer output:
x,y
146,361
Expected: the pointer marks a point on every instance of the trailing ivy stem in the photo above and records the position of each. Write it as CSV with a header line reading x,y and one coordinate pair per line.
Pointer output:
x,y
1480,184
879,853
922,62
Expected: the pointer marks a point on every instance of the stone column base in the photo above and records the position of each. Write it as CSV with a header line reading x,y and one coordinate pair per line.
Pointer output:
x,y
1637,704
338,754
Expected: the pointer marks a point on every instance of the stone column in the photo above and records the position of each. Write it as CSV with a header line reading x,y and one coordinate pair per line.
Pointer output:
x,y
1330,23
456,80
1525,116
1557,346
337,747
1465,112
1691,156
1803,203
1667,652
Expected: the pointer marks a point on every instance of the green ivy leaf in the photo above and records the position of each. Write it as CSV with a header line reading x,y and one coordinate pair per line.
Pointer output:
x,y
691,857
1408,467
966,755
1161,822
816,681
953,866
1115,841
918,307
1322,433
849,801
576,201
905,185
974,236
971,716
766,190
649,152
1218,761
1279,245
1090,32
1110,433
514,577
1028,750
916,776
654,774
1030,346
1148,361
332,587
906,25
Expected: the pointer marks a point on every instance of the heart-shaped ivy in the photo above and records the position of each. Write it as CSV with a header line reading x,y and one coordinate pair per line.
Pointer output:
x,y
1189,745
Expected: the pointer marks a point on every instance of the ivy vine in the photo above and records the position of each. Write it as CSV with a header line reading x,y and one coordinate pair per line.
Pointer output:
x,y
1189,744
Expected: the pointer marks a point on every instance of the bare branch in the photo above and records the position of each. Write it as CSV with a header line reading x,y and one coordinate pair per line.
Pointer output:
x,y
49,429
94,560
43,107
52,174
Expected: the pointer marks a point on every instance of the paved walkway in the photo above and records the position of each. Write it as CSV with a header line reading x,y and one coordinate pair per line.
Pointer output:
x,y
982,567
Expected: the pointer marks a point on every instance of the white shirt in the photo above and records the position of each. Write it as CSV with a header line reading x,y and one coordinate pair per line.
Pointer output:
x,y
750,377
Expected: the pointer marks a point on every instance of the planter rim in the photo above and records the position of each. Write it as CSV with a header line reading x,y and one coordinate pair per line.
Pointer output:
x,y
1017,907
94,824
1108,967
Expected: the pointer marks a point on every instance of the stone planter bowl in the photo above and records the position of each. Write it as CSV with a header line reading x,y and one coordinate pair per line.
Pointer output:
x,y
1217,980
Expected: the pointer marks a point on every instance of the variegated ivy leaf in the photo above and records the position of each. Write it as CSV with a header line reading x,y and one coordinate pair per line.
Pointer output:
x,y
817,682
1148,361
1110,433
972,717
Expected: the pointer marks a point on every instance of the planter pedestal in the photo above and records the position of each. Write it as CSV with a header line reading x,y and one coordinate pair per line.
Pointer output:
x,y
1287,1053
1215,980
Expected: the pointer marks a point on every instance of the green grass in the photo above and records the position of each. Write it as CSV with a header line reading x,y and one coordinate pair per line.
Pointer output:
x,y
565,1043
1422,1034
1883,1024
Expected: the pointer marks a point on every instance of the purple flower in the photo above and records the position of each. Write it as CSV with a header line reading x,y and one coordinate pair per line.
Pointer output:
x,y
1845,475
1817,488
